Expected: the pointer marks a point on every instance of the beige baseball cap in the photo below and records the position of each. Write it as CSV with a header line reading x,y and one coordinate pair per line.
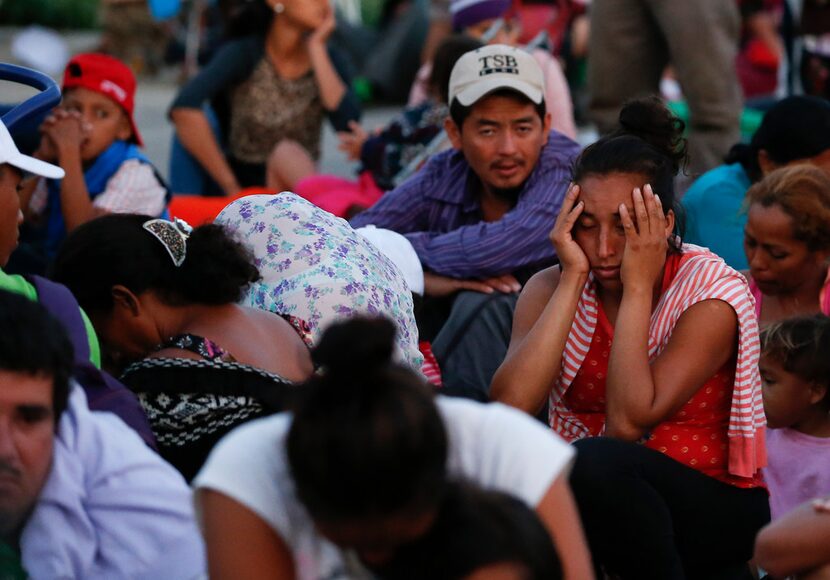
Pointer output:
x,y
10,154
494,67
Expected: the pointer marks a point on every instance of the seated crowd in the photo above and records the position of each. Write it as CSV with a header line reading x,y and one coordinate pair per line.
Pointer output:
x,y
517,359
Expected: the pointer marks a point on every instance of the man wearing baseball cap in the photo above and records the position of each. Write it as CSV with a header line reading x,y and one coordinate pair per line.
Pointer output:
x,y
479,215
94,138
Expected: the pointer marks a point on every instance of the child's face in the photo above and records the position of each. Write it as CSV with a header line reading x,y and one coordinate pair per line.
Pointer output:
x,y
787,397
106,121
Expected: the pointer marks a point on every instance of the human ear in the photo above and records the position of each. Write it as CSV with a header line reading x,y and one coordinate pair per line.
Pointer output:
x,y
453,132
766,164
124,299
817,392
670,221
823,257
546,127
125,130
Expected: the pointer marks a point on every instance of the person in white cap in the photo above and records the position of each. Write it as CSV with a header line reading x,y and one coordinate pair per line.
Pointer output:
x,y
479,215
12,166
82,496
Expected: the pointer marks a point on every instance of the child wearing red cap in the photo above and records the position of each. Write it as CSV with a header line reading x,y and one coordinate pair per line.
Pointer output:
x,y
93,137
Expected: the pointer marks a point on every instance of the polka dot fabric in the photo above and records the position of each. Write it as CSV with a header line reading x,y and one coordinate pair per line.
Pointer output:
x,y
696,435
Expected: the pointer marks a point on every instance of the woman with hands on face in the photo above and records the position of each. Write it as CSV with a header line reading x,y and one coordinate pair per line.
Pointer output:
x,y
645,350
271,87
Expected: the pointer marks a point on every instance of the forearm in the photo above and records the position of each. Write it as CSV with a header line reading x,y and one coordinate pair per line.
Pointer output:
x,y
481,251
559,514
197,137
795,543
630,392
527,374
332,88
76,205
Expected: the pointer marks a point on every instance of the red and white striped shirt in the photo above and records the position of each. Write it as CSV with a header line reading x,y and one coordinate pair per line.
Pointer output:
x,y
701,276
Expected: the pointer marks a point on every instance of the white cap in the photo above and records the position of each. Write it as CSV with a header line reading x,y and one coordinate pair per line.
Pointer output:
x,y
494,67
400,252
9,154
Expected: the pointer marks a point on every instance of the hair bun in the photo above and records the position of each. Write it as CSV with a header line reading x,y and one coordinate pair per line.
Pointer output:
x,y
357,346
650,120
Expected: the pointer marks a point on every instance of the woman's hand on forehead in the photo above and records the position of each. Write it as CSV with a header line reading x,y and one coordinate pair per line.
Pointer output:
x,y
646,241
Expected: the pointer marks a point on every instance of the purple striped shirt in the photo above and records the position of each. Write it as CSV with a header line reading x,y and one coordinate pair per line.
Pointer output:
x,y
439,212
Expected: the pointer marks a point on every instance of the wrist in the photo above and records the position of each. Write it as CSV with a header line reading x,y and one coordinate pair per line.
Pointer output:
x,y
230,186
69,154
638,290
316,46
571,276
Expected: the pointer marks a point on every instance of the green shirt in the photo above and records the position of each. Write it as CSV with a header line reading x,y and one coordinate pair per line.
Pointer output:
x,y
19,285
10,566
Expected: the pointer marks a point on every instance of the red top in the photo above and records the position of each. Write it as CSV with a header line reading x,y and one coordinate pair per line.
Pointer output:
x,y
696,435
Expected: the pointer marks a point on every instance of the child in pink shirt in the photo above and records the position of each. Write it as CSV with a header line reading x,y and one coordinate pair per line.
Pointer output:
x,y
795,368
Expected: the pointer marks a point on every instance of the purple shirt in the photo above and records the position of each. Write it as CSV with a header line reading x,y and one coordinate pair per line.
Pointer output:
x,y
111,507
439,213
798,469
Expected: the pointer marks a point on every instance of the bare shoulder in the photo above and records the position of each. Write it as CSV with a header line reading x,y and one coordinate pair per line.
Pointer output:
x,y
535,295
541,285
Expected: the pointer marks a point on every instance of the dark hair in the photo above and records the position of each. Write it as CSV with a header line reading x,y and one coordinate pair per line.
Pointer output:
x,y
649,142
803,193
801,344
246,17
446,55
476,528
34,343
797,127
459,113
115,249
367,439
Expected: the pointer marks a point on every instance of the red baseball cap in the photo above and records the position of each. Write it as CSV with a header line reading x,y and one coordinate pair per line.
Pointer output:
x,y
106,75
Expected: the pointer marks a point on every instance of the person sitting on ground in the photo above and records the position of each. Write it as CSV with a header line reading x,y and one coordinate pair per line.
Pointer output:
x,y
102,394
787,243
316,267
165,299
361,466
493,22
270,88
794,131
479,535
636,337
478,215
92,135
797,545
390,152
83,497
795,370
